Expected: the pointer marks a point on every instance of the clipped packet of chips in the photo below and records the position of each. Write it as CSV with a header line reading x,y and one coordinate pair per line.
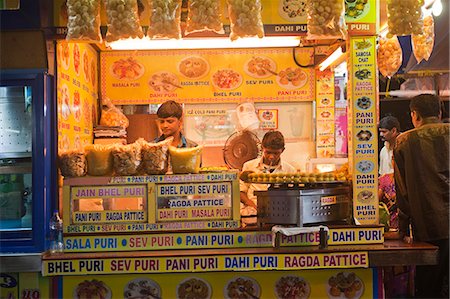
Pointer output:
x,y
83,22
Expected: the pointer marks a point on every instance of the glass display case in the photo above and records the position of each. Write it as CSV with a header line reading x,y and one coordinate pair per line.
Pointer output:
x,y
27,157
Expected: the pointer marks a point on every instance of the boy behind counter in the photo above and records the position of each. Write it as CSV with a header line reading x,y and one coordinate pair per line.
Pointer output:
x,y
270,162
170,122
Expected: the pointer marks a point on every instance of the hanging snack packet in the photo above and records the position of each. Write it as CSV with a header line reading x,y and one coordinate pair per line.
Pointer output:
x,y
422,44
204,15
245,18
123,20
389,56
112,116
404,17
83,22
165,19
325,19
126,158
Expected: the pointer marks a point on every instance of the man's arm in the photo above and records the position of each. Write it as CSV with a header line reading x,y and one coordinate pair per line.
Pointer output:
x,y
401,193
246,201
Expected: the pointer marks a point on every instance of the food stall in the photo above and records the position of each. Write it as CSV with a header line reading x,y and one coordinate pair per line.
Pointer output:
x,y
131,233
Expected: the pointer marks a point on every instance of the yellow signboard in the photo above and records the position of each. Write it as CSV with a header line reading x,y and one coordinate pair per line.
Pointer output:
x,y
358,259
363,283
151,203
218,239
363,94
76,94
325,114
223,75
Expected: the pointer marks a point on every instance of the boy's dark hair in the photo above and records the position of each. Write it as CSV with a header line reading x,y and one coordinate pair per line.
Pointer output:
x,y
273,140
389,122
170,109
426,105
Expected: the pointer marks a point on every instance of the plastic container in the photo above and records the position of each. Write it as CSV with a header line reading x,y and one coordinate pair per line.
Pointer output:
x,y
56,234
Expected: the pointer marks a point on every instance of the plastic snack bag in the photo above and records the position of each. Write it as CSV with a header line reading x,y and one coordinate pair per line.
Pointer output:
x,y
422,44
155,156
123,20
204,15
245,18
126,158
165,19
100,159
389,56
404,16
112,116
185,160
325,19
83,22
72,163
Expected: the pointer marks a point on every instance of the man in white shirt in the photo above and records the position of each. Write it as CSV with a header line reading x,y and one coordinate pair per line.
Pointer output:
x,y
270,162
389,128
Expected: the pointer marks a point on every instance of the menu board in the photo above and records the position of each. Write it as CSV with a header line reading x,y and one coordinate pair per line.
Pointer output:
x,y
76,94
208,76
325,121
363,145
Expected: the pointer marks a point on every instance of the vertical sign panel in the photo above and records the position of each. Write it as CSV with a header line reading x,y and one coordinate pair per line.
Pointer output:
x,y
363,95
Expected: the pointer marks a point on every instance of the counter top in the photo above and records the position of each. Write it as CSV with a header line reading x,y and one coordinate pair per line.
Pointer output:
x,y
390,253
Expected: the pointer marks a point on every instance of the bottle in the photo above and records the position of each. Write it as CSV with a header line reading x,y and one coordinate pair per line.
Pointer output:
x,y
56,234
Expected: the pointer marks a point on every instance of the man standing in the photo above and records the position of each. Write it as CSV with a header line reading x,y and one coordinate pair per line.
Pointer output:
x,y
421,158
389,128
270,162
170,121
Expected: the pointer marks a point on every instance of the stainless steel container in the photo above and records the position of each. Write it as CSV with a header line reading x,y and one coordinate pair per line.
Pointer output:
x,y
299,206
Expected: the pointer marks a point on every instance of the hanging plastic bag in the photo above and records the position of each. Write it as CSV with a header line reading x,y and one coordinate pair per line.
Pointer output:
x,y
123,20
404,17
325,19
389,56
204,15
245,18
112,116
422,44
83,20
165,19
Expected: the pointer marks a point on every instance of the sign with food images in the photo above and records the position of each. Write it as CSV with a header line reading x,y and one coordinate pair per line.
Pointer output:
x,y
329,283
218,239
268,119
363,95
232,262
26,285
76,94
325,114
223,75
